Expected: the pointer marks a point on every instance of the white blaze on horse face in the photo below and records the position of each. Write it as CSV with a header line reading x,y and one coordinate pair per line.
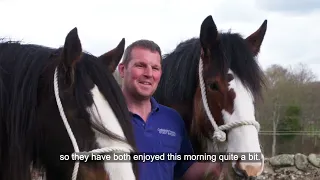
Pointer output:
x,y
102,112
244,139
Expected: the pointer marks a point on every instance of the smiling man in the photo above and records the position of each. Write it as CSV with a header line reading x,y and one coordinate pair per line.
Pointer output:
x,y
157,128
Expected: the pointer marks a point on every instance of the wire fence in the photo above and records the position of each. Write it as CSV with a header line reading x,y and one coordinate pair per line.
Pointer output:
x,y
279,133
289,142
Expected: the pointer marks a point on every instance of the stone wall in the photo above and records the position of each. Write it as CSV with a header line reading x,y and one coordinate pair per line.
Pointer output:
x,y
292,167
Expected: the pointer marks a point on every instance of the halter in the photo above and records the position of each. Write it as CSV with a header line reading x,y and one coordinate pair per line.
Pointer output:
x,y
218,130
73,139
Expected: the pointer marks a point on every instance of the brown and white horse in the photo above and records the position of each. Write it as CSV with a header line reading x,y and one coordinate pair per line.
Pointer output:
x,y
212,81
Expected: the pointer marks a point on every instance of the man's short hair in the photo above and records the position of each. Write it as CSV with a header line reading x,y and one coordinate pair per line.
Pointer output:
x,y
143,43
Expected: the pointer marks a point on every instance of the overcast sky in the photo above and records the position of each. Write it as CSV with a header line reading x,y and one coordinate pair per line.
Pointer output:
x,y
293,33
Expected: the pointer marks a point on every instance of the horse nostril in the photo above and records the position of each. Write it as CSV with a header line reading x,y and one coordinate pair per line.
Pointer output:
x,y
247,170
238,170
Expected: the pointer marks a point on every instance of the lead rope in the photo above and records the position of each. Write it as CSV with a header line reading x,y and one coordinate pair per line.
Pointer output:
x,y
72,138
218,130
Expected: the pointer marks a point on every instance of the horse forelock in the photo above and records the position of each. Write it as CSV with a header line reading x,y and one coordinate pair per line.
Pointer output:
x,y
241,61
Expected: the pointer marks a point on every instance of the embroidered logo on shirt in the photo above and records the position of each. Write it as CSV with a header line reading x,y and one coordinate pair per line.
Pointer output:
x,y
167,132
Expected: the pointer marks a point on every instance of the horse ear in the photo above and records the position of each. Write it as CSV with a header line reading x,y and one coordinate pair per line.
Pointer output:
x,y
72,48
208,33
256,38
112,58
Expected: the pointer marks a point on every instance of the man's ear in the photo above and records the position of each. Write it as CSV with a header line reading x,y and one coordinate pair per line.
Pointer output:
x,y
121,69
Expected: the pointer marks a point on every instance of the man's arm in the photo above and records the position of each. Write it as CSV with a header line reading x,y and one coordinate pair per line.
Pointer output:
x,y
182,167
192,170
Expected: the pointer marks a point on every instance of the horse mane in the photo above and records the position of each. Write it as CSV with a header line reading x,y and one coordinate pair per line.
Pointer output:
x,y
180,67
2,132
19,111
179,72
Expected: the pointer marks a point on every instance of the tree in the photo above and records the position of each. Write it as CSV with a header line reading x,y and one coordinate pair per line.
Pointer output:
x,y
287,87
290,122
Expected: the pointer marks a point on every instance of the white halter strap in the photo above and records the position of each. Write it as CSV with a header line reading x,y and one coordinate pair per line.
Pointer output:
x,y
73,139
218,130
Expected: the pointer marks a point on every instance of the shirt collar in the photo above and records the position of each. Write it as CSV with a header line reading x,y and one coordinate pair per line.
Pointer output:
x,y
154,106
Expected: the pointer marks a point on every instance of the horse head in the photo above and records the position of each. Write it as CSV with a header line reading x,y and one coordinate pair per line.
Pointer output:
x,y
229,77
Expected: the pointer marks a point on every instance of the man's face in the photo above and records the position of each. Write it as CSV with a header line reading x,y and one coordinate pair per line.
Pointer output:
x,y
142,75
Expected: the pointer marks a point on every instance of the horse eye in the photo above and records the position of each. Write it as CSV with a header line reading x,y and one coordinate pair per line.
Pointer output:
x,y
230,77
214,86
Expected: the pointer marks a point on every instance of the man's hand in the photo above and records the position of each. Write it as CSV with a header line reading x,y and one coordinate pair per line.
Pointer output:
x,y
199,171
213,171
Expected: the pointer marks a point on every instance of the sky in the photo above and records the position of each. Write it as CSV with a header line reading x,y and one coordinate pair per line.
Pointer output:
x,y
292,37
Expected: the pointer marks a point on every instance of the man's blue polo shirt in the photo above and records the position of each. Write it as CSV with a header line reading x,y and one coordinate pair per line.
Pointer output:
x,y
164,131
